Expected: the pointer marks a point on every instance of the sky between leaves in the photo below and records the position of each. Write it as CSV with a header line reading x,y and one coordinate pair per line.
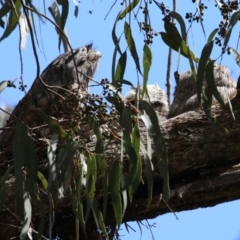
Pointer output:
x,y
220,222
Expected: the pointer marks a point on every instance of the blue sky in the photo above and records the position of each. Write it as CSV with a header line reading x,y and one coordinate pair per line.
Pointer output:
x,y
220,222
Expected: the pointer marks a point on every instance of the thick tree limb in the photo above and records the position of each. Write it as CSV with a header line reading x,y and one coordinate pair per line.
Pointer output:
x,y
202,165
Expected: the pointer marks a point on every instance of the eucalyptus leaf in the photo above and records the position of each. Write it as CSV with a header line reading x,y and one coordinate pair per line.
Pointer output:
x,y
147,62
27,217
13,20
181,22
120,70
114,188
131,45
3,85
205,57
129,8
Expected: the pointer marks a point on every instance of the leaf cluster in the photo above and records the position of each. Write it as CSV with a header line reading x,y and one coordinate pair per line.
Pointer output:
x,y
79,161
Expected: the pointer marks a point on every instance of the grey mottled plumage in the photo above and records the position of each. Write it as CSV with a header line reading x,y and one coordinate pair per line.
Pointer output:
x,y
63,78
157,97
185,97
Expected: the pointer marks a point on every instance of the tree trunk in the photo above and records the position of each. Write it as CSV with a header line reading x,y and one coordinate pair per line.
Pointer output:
x,y
204,170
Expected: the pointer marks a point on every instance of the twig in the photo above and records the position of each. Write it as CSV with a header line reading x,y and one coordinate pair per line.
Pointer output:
x,y
32,37
19,48
5,111
60,30
110,10
162,198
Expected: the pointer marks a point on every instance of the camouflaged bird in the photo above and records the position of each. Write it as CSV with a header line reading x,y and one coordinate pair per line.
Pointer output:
x,y
185,97
57,92
157,98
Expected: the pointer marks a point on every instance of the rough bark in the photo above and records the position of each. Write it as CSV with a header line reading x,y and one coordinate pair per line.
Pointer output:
x,y
203,168
203,163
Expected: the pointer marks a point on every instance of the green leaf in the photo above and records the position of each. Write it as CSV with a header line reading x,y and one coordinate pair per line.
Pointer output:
x,y
147,62
24,154
77,205
163,168
133,168
64,16
136,145
131,45
161,151
13,20
4,10
31,167
27,216
33,25
5,176
149,173
207,98
88,209
91,177
68,177
116,101
52,123
211,81
192,68
126,122
177,45
3,186
236,55
205,56
124,194
212,34
20,154
42,218
148,124
215,122
126,82
20,146
3,85
2,195
174,40
99,218
181,22
114,63
95,127
43,180
234,19
172,31
128,9
114,188
54,10
120,70
104,174
101,163
65,158
51,154
154,120
114,36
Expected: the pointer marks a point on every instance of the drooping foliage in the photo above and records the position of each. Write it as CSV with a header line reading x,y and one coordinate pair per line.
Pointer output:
x,y
97,173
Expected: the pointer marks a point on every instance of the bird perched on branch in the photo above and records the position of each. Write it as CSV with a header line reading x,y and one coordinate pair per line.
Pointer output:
x,y
157,98
185,97
59,88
